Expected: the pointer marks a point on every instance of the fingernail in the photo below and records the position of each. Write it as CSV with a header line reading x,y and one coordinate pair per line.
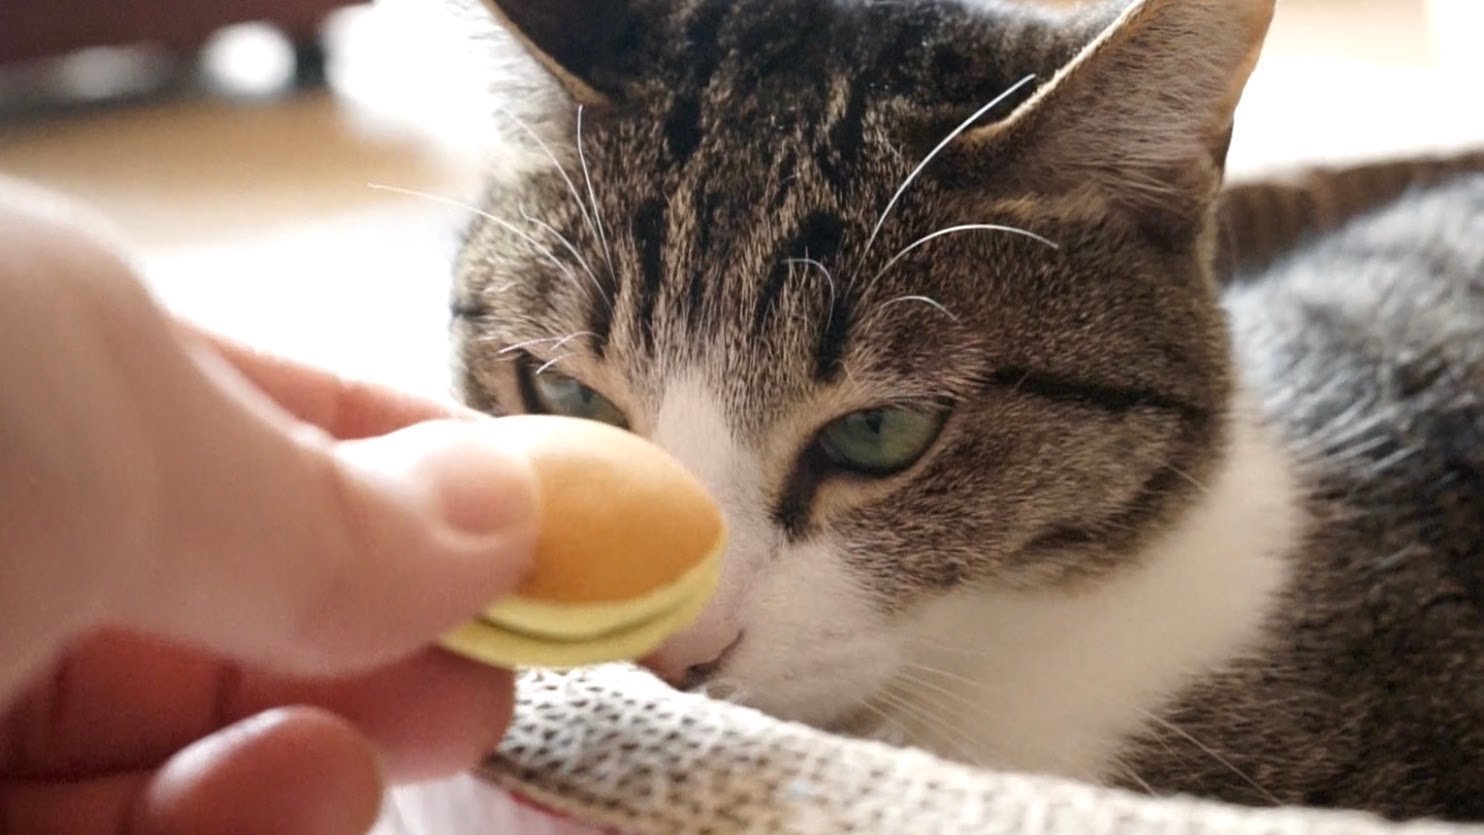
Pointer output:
x,y
478,487
484,488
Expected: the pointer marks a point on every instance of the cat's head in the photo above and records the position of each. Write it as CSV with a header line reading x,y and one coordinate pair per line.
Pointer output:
x,y
1004,368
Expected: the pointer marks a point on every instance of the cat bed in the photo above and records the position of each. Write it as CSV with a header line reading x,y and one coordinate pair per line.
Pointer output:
x,y
613,750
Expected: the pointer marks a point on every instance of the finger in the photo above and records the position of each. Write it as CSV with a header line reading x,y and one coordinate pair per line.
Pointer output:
x,y
430,715
346,409
297,770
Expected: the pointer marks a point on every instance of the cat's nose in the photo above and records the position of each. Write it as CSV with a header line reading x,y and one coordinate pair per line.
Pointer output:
x,y
689,661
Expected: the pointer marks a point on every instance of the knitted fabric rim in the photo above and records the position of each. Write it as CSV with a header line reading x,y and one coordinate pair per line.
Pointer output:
x,y
615,748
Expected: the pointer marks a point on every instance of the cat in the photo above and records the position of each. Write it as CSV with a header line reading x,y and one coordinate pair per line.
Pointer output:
x,y
927,293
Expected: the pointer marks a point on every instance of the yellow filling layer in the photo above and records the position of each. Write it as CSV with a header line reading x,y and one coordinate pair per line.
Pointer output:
x,y
525,633
579,621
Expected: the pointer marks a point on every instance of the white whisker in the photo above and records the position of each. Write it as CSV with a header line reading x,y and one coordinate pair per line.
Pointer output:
x,y
1190,479
954,230
934,303
561,169
592,195
903,733
1133,776
575,254
912,177
951,676
940,726
545,366
1224,762
954,699
557,341
505,224
829,279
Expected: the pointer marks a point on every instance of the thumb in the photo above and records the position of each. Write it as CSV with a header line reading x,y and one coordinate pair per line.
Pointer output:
x,y
316,556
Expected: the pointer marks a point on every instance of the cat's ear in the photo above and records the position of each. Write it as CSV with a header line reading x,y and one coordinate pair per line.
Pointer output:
x,y
582,43
1143,114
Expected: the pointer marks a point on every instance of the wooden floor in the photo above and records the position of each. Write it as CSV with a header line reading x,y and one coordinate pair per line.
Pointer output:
x,y
260,220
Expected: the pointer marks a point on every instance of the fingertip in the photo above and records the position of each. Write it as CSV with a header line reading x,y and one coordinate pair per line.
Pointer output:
x,y
299,770
444,519
486,489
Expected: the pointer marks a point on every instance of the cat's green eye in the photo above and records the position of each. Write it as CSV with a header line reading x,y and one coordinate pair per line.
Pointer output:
x,y
555,393
880,441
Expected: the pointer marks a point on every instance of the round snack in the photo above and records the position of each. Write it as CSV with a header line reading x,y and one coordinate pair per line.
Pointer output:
x,y
629,552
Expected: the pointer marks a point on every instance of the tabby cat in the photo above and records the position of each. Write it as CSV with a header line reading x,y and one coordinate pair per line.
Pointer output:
x,y
927,293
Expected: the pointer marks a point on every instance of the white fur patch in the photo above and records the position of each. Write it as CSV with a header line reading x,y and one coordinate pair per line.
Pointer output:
x,y
815,643
812,640
692,426
1053,681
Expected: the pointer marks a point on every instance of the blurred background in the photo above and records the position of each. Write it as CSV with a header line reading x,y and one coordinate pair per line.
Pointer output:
x,y
239,144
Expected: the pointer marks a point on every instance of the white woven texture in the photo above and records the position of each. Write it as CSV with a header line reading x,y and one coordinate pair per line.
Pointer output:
x,y
615,748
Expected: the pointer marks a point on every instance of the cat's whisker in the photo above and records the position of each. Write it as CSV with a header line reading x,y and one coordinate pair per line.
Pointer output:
x,y
916,172
940,726
943,724
930,302
557,341
1214,755
549,363
955,230
951,676
1188,478
944,702
591,194
954,699
1133,776
597,285
889,720
829,279
948,707
561,169
501,222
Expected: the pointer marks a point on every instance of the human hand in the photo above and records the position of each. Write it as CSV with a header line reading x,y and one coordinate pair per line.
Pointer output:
x,y
220,572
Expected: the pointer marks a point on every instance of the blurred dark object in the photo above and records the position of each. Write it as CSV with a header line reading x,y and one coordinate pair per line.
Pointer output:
x,y
34,29
61,56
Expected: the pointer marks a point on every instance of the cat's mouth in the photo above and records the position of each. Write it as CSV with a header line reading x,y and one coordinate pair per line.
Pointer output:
x,y
705,677
702,677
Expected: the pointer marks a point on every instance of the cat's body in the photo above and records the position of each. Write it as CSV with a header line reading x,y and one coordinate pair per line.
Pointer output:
x,y
1008,476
